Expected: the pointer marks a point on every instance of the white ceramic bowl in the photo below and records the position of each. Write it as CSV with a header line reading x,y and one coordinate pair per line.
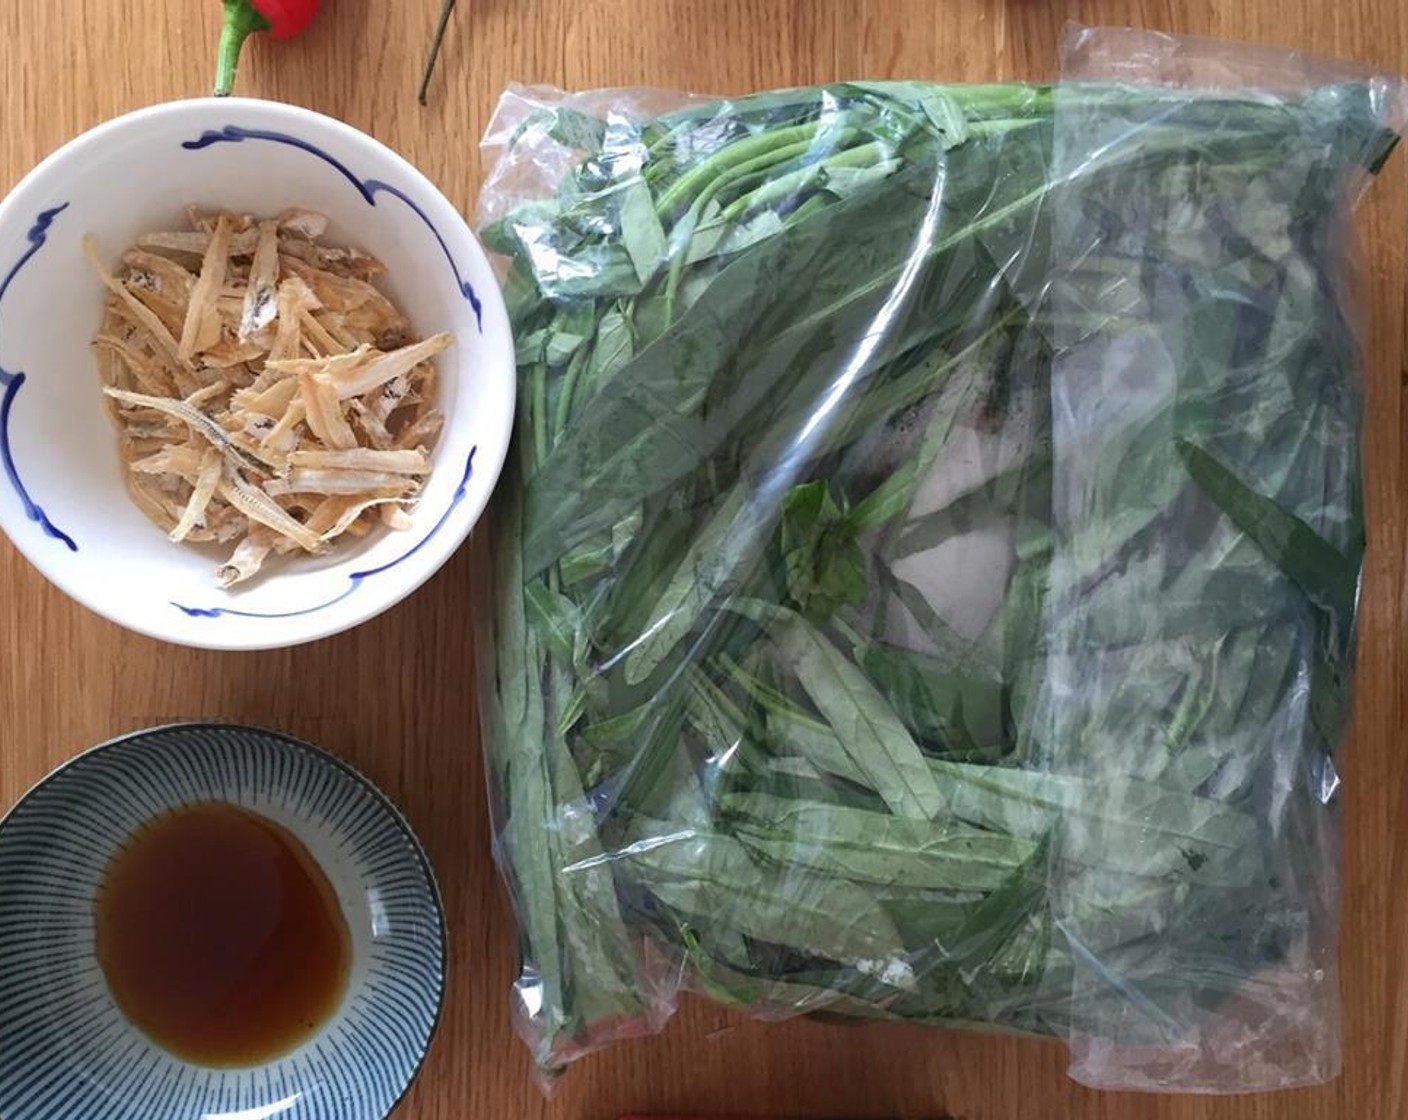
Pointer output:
x,y
62,500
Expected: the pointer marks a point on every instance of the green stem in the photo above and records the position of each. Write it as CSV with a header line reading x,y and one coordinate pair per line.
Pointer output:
x,y
435,45
740,151
540,415
566,391
758,169
725,174
774,190
241,21
683,231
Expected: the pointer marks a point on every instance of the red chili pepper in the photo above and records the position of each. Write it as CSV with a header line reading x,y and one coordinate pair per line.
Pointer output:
x,y
281,18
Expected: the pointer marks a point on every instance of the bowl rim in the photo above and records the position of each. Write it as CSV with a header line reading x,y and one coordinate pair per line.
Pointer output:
x,y
324,756
436,548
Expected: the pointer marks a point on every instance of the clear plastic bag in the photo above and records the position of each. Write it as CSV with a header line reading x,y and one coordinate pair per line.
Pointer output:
x,y
925,580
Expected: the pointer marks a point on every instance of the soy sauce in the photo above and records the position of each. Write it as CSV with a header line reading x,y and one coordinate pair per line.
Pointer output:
x,y
221,937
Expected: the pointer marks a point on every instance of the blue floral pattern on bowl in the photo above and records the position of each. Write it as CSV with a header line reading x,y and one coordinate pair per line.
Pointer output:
x,y
369,188
12,382
354,581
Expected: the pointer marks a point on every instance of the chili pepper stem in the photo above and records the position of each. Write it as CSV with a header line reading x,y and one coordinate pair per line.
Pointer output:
x,y
242,19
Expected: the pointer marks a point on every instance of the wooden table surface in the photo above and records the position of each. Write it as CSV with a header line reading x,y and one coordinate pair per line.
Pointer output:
x,y
396,697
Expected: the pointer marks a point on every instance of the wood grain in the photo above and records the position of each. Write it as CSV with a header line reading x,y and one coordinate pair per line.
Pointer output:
x,y
396,696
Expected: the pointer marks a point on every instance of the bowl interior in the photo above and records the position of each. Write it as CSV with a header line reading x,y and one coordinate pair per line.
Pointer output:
x,y
61,1033
62,498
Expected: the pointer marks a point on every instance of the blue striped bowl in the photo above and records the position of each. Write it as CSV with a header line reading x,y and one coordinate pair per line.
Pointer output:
x,y
66,1050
